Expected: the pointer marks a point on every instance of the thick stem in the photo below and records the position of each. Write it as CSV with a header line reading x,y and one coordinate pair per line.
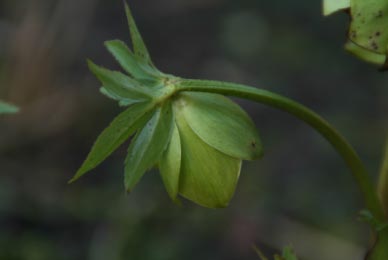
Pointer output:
x,y
347,152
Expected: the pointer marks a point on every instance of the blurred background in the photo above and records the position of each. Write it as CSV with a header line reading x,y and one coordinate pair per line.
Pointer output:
x,y
299,194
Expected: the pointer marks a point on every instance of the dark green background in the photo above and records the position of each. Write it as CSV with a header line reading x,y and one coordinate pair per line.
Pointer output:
x,y
300,193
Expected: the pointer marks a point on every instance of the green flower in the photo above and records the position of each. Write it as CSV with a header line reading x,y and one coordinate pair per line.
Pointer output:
x,y
197,140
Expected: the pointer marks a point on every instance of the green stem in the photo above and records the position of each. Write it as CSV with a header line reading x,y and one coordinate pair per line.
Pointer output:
x,y
347,152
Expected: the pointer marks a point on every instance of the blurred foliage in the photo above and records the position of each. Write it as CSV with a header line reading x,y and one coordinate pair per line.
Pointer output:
x,y
7,108
287,254
300,193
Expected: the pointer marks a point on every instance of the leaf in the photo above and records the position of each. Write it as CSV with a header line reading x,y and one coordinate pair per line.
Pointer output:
x,y
259,253
128,61
139,47
123,126
332,6
170,164
148,145
288,253
382,188
222,124
208,177
119,86
6,108
380,249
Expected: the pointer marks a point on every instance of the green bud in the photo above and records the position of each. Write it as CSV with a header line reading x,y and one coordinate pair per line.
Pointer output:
x,y
197,140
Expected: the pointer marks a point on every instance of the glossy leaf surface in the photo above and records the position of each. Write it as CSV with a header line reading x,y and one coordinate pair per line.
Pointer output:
x,y
208,177
123,126
148,145
222,124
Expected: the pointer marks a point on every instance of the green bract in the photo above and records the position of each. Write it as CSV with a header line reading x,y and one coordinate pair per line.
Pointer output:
x,y
198,140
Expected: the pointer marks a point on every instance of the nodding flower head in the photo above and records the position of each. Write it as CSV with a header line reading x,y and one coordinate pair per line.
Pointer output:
x,y
197,140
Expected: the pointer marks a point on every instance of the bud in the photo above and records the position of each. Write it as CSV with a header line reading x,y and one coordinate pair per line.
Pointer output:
x,y
198,140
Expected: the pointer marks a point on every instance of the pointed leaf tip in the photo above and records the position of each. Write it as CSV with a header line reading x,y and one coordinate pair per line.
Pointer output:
x,y
123,126
139,47
127,59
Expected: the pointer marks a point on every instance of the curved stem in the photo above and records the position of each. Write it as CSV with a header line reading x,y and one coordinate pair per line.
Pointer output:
x,y
347,152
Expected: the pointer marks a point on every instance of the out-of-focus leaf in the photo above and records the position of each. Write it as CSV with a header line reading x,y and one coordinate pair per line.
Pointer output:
x,y
332,6
222,124
148,145
365,54
288,254
383,181
208,177
123,126
6,108
119,86
170,164
127,60
259,253
380,248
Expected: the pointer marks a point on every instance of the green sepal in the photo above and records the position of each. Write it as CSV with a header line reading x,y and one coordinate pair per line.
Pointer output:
x,y
120,87
332,6
208,177
148,145
130,63
120,129
222,124
139,47
170,164
6,108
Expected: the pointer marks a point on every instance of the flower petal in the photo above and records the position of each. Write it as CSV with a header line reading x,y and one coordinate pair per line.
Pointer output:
x,y
170,164
148,145
208,177
222,124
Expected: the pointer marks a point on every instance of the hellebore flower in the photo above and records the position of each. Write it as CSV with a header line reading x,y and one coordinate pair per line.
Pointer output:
x,y
197,140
